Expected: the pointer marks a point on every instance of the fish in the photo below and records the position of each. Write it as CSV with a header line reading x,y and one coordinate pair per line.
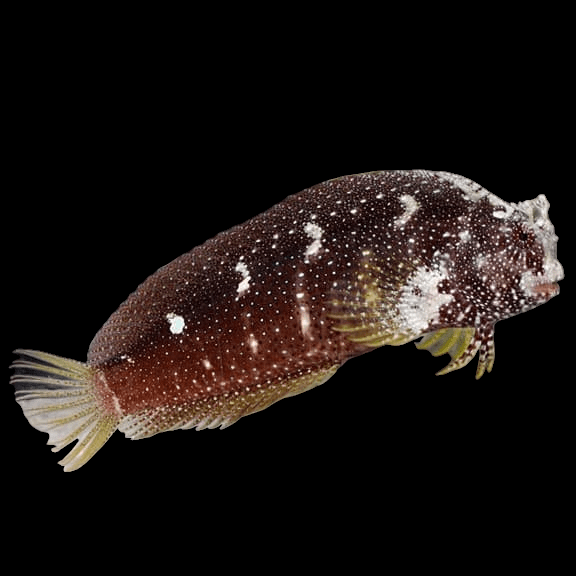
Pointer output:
x,y
272,308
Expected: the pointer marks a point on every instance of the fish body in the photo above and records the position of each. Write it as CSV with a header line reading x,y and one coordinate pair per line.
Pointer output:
x,y
272,307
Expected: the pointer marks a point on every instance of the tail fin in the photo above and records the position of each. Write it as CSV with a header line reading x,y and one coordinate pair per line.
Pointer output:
x,y
59,396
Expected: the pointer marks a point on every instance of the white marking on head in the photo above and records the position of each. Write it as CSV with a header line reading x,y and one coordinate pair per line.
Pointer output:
x,y
504,210
315,232
474,192
176,322
410,206
470,189
244,285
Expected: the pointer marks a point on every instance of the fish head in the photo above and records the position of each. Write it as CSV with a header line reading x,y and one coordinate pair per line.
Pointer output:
x,y
517,268
540,281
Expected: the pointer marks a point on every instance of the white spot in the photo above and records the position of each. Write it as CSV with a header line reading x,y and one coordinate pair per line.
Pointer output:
x,y
244,285
410,206
253,343
127,358
420,300
315,232
207,364
177,323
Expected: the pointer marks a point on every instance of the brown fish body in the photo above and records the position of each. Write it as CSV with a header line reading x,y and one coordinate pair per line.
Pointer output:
x,y
207,326
273,307
246,314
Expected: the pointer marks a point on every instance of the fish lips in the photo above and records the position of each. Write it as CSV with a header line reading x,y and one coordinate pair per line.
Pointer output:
x,y
544,286
546,290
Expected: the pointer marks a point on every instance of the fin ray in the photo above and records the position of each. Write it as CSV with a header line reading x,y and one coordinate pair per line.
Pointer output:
x,y
222,411
59,396
364,302
462,344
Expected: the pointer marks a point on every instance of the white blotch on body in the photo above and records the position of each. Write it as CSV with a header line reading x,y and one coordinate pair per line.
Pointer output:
x,y
420,300
253,343
207,364
176,322
410,206
244,285
315,232
304,320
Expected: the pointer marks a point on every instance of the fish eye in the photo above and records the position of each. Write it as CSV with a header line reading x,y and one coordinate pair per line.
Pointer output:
x,y
523,236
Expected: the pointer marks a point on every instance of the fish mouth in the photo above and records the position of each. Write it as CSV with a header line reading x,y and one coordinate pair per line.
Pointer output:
x,y
545,285
546,289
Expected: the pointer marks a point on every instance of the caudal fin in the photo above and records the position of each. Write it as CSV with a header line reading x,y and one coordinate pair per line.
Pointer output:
x,y
59,396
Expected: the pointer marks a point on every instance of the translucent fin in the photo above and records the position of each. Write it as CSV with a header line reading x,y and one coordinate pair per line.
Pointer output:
x,y
222,410
60,396
363,302
462,344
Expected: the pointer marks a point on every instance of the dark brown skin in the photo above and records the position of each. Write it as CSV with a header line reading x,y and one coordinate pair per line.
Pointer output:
x,y
273,307
317,279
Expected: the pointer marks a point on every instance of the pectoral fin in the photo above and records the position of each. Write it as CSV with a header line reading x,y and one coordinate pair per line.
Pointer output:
x,y
363,303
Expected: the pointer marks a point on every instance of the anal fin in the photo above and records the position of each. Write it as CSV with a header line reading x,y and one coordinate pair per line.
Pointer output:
x,y
220,410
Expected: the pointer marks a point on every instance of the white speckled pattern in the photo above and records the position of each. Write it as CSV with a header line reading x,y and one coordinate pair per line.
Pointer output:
x,y
274,306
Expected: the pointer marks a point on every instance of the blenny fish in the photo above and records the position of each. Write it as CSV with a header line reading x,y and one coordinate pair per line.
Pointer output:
x,y
273,307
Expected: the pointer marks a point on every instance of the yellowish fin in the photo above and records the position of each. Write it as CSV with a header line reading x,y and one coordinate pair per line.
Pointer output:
x,y
218,411
363,303
462,344
59,396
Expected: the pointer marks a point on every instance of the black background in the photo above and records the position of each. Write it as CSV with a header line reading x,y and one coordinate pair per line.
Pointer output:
x,y
129,139
81,246
104,194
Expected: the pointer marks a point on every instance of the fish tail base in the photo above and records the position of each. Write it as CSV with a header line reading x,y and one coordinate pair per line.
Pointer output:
x,y
67,399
